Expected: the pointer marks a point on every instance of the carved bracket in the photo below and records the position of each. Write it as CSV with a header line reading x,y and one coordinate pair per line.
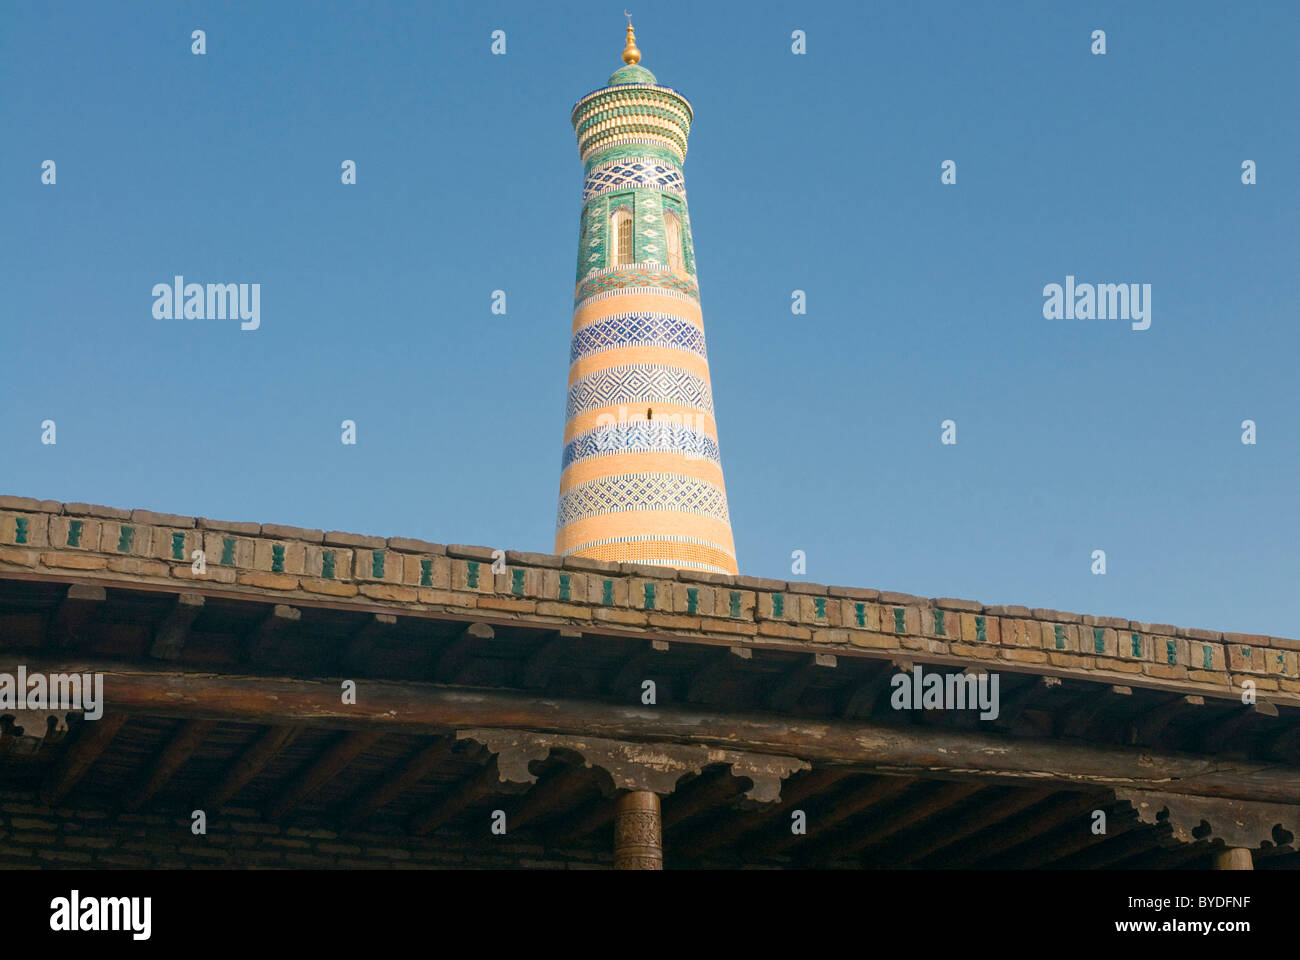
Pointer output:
x,y
656,767
1237,823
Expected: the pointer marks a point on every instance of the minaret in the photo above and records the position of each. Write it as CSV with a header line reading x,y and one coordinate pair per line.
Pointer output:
x,y
641,476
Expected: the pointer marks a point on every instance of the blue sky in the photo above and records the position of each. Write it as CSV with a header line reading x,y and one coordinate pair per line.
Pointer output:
x,y
818,172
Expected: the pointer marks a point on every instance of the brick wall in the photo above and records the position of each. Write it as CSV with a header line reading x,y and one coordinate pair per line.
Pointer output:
x,y
290,564
33,835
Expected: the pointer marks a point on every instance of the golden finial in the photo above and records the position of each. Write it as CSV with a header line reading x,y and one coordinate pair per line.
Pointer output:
x,y
630,53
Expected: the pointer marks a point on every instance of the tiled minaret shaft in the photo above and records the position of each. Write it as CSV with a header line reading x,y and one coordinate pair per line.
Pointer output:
x,y
641,475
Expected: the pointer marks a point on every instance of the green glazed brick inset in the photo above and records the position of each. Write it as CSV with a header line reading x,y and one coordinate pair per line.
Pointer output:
x,y
692,599
899,625
277,558
517,582
426,573
819,605
938,623
607,591
860,614
735,603
20,530
1059,634
1098,640
228,551
1207,656
564,587
327,564
649,596
1171,652
124,539
1137,644
471,574
981,628
778,605
178,546
377,563
74,533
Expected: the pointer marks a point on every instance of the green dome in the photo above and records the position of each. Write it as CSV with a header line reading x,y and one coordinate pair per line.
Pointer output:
x,y
632,73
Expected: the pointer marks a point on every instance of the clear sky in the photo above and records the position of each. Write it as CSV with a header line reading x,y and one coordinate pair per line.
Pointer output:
x,y
818,172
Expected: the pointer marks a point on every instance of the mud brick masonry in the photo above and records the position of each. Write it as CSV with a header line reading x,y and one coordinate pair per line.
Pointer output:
x,y
504,681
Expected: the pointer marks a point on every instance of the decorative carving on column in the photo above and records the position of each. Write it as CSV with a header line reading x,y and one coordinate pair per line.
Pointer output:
x,y
1234,858
638,832
653,767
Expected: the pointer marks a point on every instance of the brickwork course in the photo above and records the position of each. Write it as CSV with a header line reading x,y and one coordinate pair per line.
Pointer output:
x,y
95,543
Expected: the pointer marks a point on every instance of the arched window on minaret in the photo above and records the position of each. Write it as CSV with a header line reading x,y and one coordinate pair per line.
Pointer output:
x,y
621,228
673,229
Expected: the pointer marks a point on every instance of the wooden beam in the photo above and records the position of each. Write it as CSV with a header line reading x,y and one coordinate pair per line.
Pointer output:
x,y
178,750
716,673
1282,744
635,671
790,688
1079,720
880,791
72,618
1220,737
737,825
718,790
328,766
251,762
459,649
535,673
969,824
1165,858
938,800
424,708
1014,704
863,701
1064,843
94,738
1110,849
410,773
174,630
269,630
484,783
359,652
989,842
1150,725
588,819
551,797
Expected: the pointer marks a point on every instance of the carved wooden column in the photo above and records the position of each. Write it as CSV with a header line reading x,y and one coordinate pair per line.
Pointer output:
x,y
1234,858
638,831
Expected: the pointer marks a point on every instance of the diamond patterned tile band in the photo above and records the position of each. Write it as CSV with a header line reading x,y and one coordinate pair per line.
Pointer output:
x,y
638,383
632,172
642,491
637,330
641,436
